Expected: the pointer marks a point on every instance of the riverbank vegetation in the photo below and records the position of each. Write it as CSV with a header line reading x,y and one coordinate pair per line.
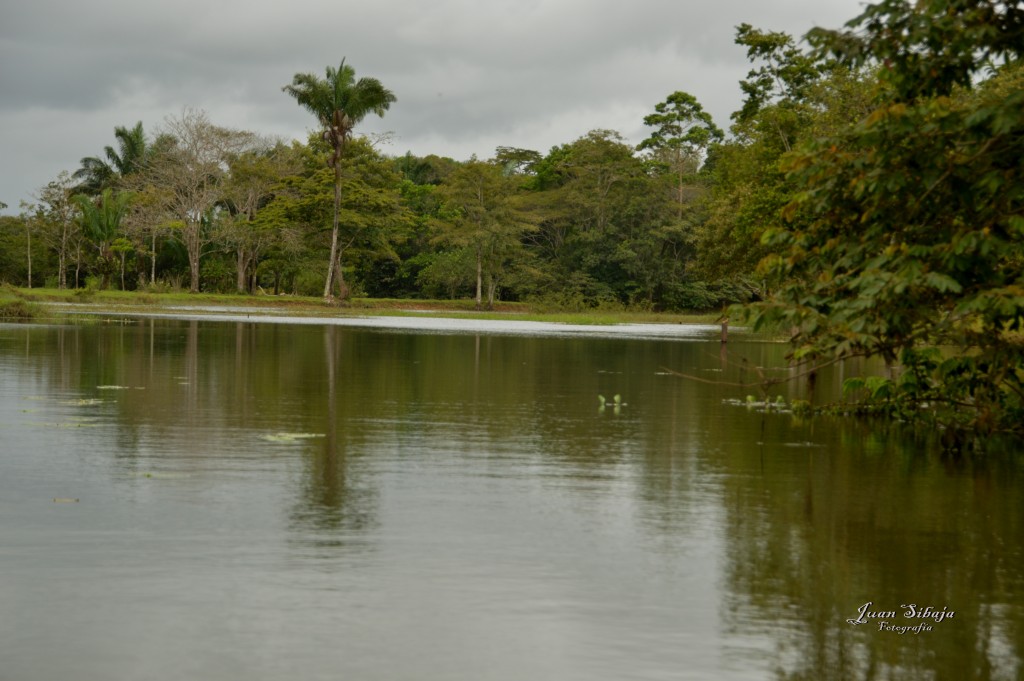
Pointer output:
x,y
50,304
867,197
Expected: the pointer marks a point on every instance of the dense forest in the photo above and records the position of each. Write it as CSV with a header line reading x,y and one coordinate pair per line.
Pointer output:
x,y
671,224
868,197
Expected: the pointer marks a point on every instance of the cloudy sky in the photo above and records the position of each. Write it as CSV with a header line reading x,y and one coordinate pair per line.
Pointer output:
x,y
469,74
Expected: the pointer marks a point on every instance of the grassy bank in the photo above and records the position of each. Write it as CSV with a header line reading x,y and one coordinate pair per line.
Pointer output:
x,y
16,310
53,303
15,307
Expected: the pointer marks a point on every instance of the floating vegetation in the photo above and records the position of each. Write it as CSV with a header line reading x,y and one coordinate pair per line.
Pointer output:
x,y
290,437
84,402
778,405
616,402
65,500
112,387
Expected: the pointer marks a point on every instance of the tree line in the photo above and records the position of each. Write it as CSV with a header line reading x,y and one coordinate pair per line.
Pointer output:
x,y
670,224
868,200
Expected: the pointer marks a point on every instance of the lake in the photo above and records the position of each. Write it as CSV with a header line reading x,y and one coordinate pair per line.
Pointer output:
x,y
226,499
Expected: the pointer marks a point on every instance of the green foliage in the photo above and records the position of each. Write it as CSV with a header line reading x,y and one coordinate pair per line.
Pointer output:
x,y
878,233
515,161
478,215
905,232
928,48
776,93
372,215
446,274
599,213
680,124
339,102
791,96
13,245
580,293
428,170
97,174
101,218
16,310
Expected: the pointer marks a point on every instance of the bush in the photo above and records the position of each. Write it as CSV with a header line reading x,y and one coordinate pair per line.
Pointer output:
x,y
581,293
17,310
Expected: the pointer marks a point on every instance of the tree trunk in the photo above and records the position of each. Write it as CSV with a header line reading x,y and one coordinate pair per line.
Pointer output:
x,y
242,264
152,274
492,288
339,275
193,241
28,238
679,186
479,277
62,282
334,230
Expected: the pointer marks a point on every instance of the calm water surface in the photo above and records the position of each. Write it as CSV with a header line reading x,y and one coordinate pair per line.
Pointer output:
x,y
275,501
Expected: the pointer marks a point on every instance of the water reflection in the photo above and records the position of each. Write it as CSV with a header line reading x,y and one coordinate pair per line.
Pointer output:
x,y
815,534
467,492
335,505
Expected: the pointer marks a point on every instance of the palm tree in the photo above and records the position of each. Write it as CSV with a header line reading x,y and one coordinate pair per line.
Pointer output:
x,y
339,102
97,174
101,220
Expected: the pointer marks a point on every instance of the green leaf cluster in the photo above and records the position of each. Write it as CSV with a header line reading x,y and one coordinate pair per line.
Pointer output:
x,y
903,238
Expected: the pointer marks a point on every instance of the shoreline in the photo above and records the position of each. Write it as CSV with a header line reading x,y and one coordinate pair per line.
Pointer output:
x,y
454,316
454,322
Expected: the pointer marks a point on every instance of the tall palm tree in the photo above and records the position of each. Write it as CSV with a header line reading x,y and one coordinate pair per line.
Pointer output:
x,y
339,102
97,174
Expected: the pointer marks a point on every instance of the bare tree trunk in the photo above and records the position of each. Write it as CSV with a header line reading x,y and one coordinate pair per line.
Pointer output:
x,y
679,185
242,264
152,274
479,277
193,240
78,263
492,289
28,237
334,230
339,273
193,273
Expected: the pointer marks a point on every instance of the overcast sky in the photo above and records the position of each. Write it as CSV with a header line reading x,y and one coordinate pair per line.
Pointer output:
x,y
469,75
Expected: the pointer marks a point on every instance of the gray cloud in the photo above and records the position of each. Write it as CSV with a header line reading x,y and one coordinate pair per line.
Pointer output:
x,y
469,75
